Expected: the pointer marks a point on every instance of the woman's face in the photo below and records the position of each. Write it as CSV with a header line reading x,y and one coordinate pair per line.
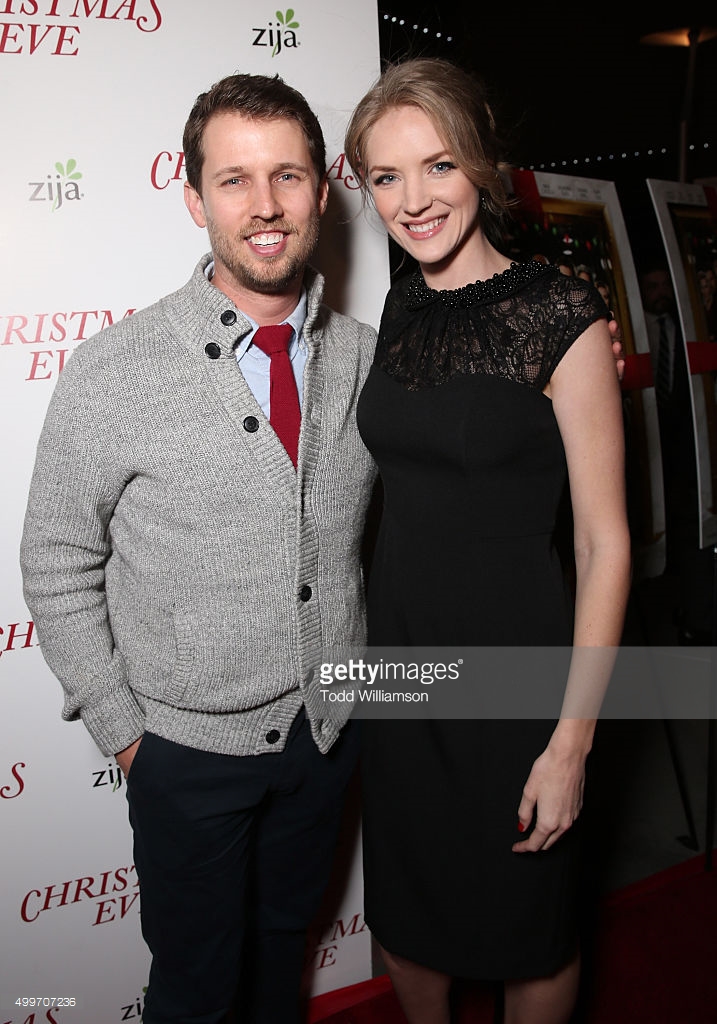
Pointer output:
x,y
428,204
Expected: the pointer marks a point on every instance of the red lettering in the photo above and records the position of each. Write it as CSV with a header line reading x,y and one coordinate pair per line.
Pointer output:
x,y
82,888
5,792
326,957
340,931
153,173
105,879
34,41
107,320
130,13
39,364
338,166
6,36
166,156
143,21
25,903
89,8
126,901
60,326
41,317
103,908
12,329
10,644
80,336
65,35
120,880
50,895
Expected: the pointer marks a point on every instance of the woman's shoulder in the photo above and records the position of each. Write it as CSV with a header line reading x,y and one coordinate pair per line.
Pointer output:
x,y
573,295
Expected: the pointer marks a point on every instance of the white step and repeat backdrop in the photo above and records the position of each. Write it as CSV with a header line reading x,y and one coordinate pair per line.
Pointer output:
x,y
94,96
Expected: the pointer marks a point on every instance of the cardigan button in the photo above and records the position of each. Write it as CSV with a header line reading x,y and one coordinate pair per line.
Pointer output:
x,y
228,317
309,676
213,350
251,424
305,592
273,736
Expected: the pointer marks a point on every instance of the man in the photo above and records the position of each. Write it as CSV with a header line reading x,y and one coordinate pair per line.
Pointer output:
x,y
187,563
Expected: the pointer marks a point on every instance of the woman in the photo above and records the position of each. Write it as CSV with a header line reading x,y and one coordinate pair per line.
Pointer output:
x,y
490,380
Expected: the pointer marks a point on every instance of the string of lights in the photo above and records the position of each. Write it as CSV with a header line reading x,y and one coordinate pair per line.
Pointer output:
x,y
660,151
422,29
395,19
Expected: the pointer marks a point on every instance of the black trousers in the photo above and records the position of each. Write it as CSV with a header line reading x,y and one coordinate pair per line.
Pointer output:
x,y
233,855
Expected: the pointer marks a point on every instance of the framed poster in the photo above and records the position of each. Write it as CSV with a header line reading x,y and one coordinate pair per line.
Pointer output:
x,y
687,215
577,224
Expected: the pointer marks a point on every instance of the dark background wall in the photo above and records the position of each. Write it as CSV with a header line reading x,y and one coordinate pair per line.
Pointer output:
x,y
575,91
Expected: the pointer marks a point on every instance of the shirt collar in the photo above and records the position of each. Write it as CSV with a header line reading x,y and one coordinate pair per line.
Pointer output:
x,y
296,319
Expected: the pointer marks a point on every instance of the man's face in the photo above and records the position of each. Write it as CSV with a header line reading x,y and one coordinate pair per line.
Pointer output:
x,y
260,202
657,294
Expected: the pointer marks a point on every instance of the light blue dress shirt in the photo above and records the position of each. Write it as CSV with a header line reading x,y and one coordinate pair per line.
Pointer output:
x,y
255,364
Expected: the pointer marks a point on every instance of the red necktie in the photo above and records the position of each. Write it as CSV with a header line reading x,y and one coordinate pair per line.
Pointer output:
x,y
284,411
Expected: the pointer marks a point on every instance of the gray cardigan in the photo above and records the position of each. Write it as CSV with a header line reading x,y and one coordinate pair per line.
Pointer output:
x,y
183,577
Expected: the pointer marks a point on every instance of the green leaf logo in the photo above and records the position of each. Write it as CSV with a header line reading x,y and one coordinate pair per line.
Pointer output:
x,y
286,19
68,172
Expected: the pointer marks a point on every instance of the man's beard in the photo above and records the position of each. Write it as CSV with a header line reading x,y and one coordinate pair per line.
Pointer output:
x,y
271,275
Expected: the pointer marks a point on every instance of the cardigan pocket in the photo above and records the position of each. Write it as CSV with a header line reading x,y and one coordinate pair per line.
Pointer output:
x,y
227,663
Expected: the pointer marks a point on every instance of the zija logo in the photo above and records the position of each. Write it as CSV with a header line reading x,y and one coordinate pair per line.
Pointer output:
x,y
280,35
110,776
134,1011
63,188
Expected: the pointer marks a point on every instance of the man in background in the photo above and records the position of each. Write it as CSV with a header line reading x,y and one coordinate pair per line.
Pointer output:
x,y
685,560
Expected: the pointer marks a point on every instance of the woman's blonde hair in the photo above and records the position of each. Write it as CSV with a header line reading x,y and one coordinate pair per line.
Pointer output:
x,y
456,103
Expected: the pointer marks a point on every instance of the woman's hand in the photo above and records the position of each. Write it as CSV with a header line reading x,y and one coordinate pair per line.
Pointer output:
x,y
552,798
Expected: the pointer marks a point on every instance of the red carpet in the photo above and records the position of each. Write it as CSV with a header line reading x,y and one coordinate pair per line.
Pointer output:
x,y
654,960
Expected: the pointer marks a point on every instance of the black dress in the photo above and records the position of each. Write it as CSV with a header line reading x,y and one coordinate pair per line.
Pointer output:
x,y
473,472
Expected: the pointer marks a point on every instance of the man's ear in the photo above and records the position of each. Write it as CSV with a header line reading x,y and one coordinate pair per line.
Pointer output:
x,y
193,202
323,194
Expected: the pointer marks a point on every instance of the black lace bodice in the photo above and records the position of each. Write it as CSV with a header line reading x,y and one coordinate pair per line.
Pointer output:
x,y
515,325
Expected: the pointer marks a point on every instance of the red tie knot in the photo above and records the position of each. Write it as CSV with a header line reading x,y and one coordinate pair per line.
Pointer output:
x,y
273,339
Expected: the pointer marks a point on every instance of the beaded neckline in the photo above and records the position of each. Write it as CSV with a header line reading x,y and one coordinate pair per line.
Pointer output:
x,y
497,287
